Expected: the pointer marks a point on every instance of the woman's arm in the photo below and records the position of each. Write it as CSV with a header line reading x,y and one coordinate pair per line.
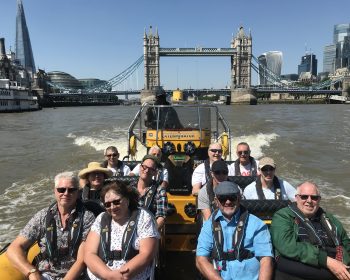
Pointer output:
x,y
147,252
92,260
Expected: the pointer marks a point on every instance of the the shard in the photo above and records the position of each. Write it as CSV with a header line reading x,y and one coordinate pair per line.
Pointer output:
x,y
24,51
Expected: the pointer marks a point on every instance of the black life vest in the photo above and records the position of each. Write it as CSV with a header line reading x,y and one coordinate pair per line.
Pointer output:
x,y
92,200
53,253
119,169
276,185
127,252
238,252
311,232
211,195
207,170
149,196
253,169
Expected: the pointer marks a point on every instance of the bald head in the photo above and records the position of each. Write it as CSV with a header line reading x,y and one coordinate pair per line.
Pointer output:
x,y
308,198
308,187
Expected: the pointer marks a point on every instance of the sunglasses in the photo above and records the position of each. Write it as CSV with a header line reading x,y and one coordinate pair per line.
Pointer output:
x,y
223,172
114,202
112,155
243,152
145,167
306,196
267,168
69,190
224,198
216,151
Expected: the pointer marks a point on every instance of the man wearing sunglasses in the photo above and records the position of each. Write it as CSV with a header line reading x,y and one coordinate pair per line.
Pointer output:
x,y
268,185
59,231
201,175
238,243
112,162
310,243
206,203
245,164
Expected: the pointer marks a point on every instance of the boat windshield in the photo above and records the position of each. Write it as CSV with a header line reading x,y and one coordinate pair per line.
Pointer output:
x,y
177,117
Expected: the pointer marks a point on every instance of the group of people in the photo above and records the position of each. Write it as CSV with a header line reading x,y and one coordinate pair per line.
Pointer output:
x,y
118,237
96,230
303,242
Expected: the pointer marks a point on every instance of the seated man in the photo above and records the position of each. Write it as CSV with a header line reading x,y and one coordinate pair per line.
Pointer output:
x,y
153,197
310,243
61,247
206,203
201,174
113,163
238,243
267,185
245,164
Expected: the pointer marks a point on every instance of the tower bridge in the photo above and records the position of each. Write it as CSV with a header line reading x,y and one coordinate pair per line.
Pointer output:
x,y
242,63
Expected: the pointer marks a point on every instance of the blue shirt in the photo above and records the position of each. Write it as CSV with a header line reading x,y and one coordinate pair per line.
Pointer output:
x,y
257,239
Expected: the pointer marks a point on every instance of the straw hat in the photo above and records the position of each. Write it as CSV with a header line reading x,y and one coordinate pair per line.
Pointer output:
x,y
94,167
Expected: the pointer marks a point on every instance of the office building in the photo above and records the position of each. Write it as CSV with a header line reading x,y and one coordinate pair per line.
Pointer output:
x,y
308,64
270,66
329,58
24,53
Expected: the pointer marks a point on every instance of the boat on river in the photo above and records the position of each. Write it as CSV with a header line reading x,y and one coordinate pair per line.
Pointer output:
x,y
184,133
15,98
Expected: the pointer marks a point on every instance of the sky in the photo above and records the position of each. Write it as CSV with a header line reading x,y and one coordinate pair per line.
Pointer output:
x,y
101,38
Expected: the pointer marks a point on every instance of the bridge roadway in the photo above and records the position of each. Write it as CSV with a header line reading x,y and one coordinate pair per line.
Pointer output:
x,y
198,92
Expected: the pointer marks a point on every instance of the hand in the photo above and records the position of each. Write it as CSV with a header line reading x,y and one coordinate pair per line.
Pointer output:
x,y
35,276
114,275
339,269
125,272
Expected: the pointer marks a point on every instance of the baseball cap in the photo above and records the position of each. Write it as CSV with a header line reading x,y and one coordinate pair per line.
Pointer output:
x,y
266,161
219,165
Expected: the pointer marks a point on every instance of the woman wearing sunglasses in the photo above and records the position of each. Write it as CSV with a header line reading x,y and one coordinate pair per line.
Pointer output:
x,y
122,241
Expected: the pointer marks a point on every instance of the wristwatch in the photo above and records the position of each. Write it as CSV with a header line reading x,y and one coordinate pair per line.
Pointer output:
x,y
33,270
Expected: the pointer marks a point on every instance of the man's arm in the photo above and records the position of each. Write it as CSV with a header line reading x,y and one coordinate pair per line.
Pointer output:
x,y
266,268
206,268
206,214
17,255
339,269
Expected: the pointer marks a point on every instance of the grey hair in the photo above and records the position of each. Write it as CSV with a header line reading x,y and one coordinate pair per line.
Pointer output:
x,y
67,175
155,147
308,183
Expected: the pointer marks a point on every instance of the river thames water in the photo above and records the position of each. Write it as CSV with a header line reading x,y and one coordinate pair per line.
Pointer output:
x,y
308,142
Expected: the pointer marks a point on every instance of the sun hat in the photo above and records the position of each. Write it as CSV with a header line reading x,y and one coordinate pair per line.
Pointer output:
x,y
219,165
227,188
267,161
94,167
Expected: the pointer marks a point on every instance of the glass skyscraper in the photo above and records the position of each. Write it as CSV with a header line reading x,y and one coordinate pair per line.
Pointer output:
x,y
272,61
24,53
329,58
308,64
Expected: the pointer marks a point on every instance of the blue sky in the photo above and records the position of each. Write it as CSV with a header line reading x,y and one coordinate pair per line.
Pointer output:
x,y
101,38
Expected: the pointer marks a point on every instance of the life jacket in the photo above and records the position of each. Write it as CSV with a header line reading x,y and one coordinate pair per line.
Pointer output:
x,y
150,195
207,170
253,169
92,200
127,252
276,184
312,235
119,169
53,253
238,252
211,195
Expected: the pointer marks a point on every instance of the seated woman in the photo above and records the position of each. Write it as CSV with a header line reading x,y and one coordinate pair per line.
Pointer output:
x,y
94,176
122,242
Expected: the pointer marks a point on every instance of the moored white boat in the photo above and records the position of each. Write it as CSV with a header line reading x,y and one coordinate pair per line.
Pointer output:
x,y
15,98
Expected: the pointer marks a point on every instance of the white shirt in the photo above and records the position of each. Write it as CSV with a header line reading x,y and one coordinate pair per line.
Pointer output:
x,y
126,170
245,169
287,191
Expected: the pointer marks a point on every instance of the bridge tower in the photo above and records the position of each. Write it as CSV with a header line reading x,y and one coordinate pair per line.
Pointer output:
x,y
241,91
151,65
